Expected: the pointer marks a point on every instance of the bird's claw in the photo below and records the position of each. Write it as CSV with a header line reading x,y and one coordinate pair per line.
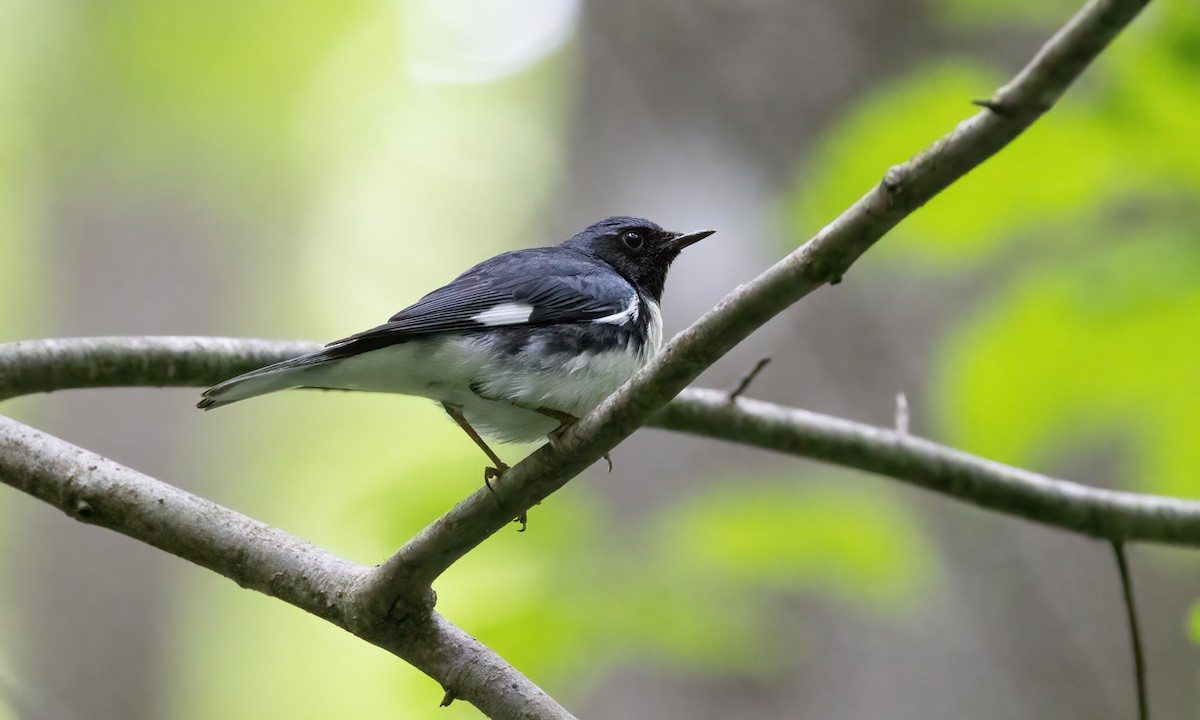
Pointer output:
x,y
493,472
490,473
554,437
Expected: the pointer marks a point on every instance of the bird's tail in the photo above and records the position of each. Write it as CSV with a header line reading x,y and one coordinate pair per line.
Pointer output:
x,y
273,378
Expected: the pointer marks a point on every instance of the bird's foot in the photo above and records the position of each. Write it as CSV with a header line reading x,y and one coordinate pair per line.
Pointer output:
x,y
523,518
565,420
490,473
555,436
554,439
494,473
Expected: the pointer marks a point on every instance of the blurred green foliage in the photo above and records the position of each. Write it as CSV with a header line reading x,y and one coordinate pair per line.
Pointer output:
x,y
1105,351
785,536
1101,150
1084,333
1090,334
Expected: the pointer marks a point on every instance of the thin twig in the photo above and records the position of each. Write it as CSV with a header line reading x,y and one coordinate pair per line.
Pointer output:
x,y
901,413
1135,635
744,383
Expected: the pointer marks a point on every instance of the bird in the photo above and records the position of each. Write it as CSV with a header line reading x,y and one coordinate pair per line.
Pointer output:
x,y
515,349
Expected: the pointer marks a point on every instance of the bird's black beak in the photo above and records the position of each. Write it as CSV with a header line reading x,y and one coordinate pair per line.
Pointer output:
x,y
682,240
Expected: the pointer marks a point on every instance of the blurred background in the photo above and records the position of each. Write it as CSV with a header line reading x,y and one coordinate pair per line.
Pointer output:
x,y
305,168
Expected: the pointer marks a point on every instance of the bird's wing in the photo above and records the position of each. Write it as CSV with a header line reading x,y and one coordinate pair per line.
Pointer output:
x,y
523,288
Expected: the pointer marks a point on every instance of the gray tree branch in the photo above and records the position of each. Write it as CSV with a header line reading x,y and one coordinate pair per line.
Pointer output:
x,y
98,491
1077,508
42,366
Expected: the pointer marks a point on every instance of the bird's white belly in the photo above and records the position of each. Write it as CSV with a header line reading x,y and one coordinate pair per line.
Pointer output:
x,y
498,394
568,383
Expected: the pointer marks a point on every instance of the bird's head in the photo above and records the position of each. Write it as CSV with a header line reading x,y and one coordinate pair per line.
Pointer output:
x,y
638,249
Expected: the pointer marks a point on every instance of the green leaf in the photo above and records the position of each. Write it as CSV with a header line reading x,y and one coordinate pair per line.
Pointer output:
x,y
889,127
1124,135
1086,351
861,546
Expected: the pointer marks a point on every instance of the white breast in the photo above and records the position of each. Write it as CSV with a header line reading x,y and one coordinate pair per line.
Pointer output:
x,y
654,328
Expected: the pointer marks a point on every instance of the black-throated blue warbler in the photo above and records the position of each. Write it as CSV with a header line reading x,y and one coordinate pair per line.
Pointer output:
x,y
515,348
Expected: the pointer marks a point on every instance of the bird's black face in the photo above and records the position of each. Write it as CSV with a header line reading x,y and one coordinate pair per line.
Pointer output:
x,y
638,249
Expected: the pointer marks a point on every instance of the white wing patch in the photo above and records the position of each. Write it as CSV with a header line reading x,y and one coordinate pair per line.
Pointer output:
x,y
505,314
628,315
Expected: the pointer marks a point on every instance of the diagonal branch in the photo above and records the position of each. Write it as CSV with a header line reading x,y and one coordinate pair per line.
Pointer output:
x,y
823,259
98,491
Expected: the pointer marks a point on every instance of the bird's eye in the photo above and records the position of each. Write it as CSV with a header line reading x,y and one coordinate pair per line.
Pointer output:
x,y
632,239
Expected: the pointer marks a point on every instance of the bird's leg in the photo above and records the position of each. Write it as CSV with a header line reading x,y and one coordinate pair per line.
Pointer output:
x,y
567,421
488,472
